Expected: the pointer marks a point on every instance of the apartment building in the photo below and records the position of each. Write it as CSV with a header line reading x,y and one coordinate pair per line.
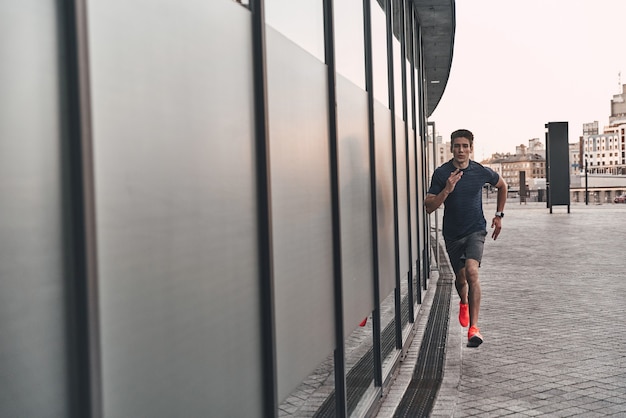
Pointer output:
x,y
605,153
509,166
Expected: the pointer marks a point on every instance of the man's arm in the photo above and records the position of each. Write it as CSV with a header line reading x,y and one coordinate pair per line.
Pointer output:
x,y
502,192
432,202
496,223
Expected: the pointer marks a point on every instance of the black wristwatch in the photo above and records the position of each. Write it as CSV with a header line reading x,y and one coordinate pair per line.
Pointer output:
x,y
500,214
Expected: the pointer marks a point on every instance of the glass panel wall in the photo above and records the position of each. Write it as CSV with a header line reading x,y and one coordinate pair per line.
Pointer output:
x,y
349,45
175,193
302,227
301,22
379,53
354,178
356,235
403,226
397,76
34,380
174,127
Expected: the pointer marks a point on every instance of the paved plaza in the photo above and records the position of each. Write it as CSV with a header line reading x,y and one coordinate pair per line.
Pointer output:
x,y
552,315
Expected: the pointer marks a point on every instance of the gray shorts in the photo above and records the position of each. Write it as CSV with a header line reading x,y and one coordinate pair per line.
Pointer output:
x,y
470,246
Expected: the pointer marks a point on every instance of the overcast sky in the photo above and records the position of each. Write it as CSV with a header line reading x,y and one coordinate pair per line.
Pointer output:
x,y
518,65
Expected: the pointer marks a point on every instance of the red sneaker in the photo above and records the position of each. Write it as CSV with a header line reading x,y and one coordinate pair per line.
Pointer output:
x,y
474,339
464,314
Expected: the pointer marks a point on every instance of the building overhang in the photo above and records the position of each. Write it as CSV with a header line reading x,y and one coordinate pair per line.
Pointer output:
x,y
437,23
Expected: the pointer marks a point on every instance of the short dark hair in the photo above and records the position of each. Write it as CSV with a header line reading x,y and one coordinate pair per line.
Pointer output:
x,y
462,133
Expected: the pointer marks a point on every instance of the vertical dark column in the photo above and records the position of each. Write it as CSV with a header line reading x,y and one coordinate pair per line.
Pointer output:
x,y
412,47
264,213
406,154
425,177
369,87
586,183
548,205
392,108
80,218
329,53
435,214
522,187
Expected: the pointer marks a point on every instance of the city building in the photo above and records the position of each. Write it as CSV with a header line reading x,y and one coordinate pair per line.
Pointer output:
x,y
600,158
535,146
605,153
509,166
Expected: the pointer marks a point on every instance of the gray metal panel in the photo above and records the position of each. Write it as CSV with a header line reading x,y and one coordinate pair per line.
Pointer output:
x,y
384,200
356,221
403,223
299,148
173,143
33,352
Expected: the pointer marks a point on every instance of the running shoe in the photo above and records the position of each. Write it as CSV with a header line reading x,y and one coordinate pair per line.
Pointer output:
x,y
464,314
474,339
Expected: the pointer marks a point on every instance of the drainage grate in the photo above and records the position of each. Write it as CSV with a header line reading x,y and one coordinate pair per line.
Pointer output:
x,y
429,368
420,395
359,378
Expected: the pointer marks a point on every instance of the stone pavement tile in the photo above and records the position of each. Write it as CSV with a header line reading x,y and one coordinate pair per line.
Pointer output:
x,y
552,318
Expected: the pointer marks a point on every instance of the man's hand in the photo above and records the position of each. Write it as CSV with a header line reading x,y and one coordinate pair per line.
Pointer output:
x,y
497,225
432,202
454,178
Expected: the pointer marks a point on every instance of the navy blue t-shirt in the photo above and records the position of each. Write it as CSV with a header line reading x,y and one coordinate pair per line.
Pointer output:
x,y
463,208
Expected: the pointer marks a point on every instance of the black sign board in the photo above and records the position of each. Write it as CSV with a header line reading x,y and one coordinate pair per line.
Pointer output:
x,y
557,164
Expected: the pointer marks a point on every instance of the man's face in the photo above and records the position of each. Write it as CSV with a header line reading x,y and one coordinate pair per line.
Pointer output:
x,y
461,149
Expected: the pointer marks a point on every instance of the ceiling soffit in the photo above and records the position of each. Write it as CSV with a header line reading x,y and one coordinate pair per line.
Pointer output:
x,y
437,22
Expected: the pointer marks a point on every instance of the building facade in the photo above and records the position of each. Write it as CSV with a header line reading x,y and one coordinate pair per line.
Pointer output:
x,y
202,201
600,158
605,153
527,160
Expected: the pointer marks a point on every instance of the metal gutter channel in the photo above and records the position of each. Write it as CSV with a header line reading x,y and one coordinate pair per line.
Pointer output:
x,y
359,378
420,395
419,398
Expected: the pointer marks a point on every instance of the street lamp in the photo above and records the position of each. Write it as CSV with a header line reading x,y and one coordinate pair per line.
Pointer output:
x,y
586,183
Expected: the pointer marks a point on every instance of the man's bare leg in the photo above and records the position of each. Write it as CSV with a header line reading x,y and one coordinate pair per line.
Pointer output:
x,y
473,283
461,285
